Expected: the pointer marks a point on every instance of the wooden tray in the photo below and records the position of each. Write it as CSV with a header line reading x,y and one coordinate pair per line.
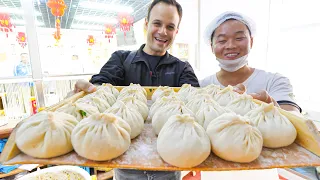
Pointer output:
x,y
143,155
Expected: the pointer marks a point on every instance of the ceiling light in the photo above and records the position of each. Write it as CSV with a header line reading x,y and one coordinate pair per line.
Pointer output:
x,y
96,19
106,7
15,11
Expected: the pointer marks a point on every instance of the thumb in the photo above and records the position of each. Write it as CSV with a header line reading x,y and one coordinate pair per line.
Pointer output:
x,y
83,85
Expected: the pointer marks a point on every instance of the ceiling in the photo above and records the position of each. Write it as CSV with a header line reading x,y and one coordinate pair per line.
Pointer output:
x,y
80,14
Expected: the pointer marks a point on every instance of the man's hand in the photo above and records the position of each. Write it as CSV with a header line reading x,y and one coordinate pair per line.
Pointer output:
x,y
190,176
264,97
82,85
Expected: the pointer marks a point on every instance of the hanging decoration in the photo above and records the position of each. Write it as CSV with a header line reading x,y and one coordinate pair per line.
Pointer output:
x,y
5,23
90,40
125,21
57,9
57,34
109,31
22,39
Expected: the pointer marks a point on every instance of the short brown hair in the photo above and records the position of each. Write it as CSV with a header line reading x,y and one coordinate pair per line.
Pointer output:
x,y
169,2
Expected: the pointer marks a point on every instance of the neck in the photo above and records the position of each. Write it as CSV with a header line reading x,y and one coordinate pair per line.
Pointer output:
x,y
234,78
149,51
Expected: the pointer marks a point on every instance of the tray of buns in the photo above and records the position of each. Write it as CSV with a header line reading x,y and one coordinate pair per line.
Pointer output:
x,y
165,128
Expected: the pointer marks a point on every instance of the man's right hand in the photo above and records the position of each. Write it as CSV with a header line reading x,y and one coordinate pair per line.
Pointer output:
x,y
82,85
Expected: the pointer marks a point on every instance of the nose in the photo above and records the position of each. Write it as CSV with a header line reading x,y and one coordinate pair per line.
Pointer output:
x,y
162,30
230,44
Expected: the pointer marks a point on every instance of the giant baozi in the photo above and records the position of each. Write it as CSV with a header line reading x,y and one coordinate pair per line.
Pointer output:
x,y
133,102
133,93
101,137
277,130
79,110
242,104
109,88
160,102
207,112
135,87
234,139
225,96
158,91
130,115
165,112
46,134
182,142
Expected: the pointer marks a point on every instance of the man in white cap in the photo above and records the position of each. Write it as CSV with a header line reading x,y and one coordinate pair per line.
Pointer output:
x,y
230,36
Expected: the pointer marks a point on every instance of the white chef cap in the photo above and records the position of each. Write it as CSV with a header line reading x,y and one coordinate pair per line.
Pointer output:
x,y
215,23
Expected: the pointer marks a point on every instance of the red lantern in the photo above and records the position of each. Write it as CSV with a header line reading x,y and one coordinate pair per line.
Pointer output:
x,y
22,39
5,23
57,7
126,21
109,31
90,40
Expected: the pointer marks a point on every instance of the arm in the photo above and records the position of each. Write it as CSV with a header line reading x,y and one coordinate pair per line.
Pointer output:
x,y
281,91
113,71
188,76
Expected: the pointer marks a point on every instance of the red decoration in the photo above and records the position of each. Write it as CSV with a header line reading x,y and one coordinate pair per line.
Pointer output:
x,y
57,34
22,39
57,7
126,21
109,31
90,40
5,23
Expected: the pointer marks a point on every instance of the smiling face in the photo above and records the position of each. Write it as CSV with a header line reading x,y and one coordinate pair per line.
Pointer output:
x,y
162,28
231,40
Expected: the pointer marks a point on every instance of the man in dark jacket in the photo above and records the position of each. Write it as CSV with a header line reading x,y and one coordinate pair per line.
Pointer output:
x,y
151,65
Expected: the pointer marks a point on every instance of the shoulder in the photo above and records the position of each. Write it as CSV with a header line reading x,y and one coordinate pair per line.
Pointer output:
x,y
122,54
207,81
270,76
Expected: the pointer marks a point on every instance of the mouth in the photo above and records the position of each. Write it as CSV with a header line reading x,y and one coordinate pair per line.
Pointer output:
x,y
231,55
160,40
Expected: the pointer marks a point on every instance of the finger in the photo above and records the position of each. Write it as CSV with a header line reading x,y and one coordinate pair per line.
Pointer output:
x,y
240,88
262,96
83,85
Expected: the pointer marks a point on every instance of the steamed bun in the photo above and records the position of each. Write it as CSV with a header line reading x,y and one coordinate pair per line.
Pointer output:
x,y
242,104
101,104
158,91
195,104
160,102
165,112
225,96
277,130
79,110
133,93
234,139
133,102
130,115
109,88
182,142
101,137
207,112
184,91
136,87
46,134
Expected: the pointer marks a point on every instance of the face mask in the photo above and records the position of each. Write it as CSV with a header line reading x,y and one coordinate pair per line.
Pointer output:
x,y
233,65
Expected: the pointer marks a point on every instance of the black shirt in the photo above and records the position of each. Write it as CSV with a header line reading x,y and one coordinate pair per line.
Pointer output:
x,y
153,61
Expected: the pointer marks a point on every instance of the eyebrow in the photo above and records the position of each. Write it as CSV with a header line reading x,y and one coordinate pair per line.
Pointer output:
x,y
157,20
238,32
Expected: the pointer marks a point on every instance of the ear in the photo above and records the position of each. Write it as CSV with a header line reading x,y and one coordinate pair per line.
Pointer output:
x,y
177,31
251,42
146,23
212,48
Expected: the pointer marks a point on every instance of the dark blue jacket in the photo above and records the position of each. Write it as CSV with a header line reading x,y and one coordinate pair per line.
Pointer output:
x,y
125,67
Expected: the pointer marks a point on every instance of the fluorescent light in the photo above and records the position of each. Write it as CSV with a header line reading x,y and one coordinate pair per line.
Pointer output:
x,y
15,11
96,19
22,22
106,7
89,27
